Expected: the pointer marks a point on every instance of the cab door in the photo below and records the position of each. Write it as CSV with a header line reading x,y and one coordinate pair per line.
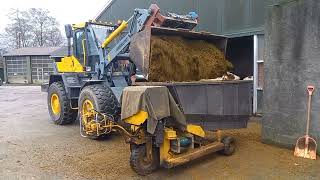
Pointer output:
x,y
80,46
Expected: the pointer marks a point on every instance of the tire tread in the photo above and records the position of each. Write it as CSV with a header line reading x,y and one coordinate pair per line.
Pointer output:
x,y
68,114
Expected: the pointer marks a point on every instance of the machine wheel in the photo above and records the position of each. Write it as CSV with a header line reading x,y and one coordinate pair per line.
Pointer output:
x,y
59,105
139,162
100,98
229,145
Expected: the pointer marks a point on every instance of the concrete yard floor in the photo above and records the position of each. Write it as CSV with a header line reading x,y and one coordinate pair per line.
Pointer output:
x,y
32,147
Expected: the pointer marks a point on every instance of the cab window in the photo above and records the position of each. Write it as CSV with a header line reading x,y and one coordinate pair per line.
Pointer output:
x,y
79,52
91,44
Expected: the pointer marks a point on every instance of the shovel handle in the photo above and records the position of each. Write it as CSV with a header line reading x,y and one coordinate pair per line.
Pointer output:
x,y
310,89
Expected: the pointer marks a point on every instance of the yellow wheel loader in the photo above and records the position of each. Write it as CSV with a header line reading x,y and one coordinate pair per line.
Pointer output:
x,y
166,124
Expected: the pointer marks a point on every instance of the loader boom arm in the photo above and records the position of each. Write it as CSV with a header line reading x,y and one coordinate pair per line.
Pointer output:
x,y
140,19
136,24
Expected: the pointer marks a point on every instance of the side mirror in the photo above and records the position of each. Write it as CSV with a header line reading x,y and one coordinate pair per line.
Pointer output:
x,y
68,29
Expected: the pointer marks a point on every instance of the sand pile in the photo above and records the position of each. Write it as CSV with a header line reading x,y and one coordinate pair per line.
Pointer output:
x,y
174,58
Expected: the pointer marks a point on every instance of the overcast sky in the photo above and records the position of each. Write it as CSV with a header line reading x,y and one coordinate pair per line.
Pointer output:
x,y
65,11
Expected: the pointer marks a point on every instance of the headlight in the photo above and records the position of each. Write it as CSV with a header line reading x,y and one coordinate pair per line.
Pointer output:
x,y
88,68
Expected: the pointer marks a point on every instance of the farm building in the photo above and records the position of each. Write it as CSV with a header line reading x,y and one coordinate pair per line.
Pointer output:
x,y
28,65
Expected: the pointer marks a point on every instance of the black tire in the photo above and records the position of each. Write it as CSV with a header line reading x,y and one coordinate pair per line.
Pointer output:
x,y
138,160
67,115
103,99
229,145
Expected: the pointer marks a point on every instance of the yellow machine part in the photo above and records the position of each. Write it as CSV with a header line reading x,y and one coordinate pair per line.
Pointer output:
x,y
195,130
114,34
84,52
69,64
79,25
137,119
55,104
88,116
169,134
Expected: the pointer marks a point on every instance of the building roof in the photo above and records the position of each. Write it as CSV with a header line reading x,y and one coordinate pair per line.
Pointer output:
x,y
31,51
60,52
105,7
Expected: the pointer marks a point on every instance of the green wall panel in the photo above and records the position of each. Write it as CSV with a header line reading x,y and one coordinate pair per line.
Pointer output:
x,y
235,15
213,21
228,17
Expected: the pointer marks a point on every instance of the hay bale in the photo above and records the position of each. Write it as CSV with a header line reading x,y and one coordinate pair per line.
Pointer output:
x,y
175,58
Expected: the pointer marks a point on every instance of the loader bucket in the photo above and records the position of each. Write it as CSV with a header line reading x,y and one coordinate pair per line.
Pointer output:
x,y
140,46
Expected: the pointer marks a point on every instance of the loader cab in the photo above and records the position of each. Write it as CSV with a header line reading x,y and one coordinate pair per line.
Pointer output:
x,y
87,39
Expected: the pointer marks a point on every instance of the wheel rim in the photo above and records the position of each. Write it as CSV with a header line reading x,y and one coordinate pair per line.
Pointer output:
x,y
86,112
55,104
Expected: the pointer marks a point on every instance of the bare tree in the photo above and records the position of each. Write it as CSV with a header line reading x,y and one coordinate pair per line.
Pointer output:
x,y
31,28
45,28
39,20
54,37
53,34
4,45
18,32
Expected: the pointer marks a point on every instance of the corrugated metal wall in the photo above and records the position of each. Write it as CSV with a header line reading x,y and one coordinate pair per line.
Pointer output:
x,y
16,69
228,17
41,68
28,69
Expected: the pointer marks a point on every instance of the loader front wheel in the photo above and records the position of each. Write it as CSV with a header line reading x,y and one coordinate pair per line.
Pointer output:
x,y
100,98
59,105
139,161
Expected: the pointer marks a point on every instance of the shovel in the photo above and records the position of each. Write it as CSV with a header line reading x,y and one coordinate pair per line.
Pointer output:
x,y
306,146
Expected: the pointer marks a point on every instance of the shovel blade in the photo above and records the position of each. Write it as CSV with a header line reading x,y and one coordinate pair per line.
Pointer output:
x,y
306,147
